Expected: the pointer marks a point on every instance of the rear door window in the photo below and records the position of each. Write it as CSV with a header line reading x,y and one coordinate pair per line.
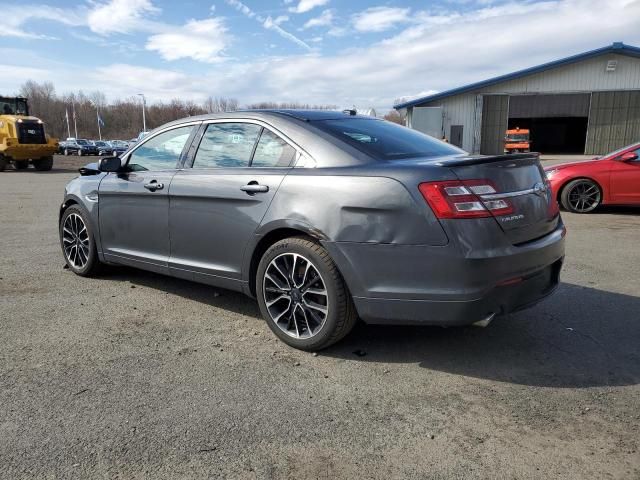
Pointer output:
x,y
227,145
272,151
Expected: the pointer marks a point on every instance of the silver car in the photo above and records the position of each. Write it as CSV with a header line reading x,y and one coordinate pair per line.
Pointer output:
x,y
324,217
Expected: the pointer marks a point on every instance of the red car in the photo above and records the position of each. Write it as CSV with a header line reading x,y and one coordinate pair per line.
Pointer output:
x,y
614,179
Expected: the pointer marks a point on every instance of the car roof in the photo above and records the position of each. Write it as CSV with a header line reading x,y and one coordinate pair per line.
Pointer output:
x,y
297,114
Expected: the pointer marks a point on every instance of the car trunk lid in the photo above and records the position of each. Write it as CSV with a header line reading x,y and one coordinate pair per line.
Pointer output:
x,y
519,180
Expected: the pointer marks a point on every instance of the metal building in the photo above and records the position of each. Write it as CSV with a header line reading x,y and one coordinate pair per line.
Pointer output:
x,y
587,103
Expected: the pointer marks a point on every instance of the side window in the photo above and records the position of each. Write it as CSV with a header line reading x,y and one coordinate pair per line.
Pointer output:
x,y
227,145
161,152
272,151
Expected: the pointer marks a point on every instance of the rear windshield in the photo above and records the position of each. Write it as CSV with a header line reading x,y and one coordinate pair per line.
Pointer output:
x,y
386,140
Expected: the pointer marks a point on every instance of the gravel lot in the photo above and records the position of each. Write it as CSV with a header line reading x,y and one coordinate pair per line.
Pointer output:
x,y
135,375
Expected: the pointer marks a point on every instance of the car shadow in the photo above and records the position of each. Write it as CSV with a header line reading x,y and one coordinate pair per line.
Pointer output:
x,y
580,337
216,297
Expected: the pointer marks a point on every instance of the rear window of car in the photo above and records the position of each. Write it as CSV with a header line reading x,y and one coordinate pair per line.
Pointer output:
x,y
386,140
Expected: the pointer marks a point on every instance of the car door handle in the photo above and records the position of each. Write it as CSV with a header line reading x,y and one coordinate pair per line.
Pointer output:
x,y
153,185
253,188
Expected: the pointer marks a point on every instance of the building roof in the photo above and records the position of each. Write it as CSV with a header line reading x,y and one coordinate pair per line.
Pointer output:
x,y
617,47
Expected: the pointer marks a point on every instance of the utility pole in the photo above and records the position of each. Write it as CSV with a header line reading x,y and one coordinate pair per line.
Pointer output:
x,y
66,116
144,119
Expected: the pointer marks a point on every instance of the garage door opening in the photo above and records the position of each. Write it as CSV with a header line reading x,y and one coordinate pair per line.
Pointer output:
x,y
566,135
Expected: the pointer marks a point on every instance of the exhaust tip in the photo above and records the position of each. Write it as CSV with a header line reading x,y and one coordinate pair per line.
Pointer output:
x,y
485,321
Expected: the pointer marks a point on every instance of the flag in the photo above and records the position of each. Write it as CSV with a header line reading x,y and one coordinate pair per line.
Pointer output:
x,y
100,121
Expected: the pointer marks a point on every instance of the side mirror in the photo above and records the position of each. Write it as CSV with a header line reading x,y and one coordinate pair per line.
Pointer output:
x,y
628,157
110,164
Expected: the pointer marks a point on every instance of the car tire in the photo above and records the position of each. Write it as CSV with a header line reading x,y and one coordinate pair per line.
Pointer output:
x,y
79,152
3,163
43,164
78,242
66,152
21,164
581,196
315,309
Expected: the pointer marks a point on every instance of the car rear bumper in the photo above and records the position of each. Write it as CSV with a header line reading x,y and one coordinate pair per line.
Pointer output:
x,y
500,300
394,284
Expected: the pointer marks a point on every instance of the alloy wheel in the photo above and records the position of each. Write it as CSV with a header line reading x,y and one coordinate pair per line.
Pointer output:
x,y
584,197
75,241
295,295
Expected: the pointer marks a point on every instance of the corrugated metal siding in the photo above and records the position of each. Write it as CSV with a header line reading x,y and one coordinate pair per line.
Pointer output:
x,y
494,123
614,121
587,76
556,105
458,110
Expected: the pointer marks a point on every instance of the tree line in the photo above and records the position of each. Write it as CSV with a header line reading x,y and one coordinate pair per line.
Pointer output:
x,y
122,118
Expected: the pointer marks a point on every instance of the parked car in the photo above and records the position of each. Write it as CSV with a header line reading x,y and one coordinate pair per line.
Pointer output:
x,y
324,217
613,179
79,146
118,146
104,148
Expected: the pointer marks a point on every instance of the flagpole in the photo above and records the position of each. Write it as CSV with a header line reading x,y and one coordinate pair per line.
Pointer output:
x,y
75,125
98,119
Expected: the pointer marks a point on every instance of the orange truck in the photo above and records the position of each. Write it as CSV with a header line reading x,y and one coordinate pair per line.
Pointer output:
x,y
517,140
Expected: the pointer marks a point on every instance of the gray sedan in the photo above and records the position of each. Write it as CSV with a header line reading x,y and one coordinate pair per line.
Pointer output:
x,y
324,217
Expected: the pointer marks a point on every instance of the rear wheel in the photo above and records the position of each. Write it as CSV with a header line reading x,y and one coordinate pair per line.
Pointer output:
x,y
302,295
20,164
3,163
77,241
581,196
43,164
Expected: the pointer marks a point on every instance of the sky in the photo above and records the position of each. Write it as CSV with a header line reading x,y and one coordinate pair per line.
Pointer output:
x,y
338,52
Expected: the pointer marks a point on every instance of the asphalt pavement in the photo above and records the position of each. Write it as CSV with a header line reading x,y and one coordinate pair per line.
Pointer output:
x,y
135,375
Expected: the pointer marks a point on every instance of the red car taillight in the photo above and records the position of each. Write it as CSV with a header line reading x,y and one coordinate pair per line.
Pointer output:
x,y
461,199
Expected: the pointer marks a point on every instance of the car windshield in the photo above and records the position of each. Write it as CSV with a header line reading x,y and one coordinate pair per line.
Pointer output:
x,y
384,140
101,144
82,142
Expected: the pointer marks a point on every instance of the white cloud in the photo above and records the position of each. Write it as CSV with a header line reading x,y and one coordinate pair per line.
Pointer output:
x,y
379,19
268,23
281,19
15,17
242,8
306,5
437,51
119,16
323,20
202,40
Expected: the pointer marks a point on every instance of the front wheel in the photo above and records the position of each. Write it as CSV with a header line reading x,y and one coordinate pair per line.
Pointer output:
x,y
77,241
581,196
79,152
302,295
3,163
21,164
43,164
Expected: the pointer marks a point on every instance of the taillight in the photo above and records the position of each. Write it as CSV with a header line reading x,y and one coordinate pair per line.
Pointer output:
x,y
554,208
461,199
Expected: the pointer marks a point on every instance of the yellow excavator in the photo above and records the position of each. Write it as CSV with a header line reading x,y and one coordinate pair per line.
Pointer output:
x,y
22,137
